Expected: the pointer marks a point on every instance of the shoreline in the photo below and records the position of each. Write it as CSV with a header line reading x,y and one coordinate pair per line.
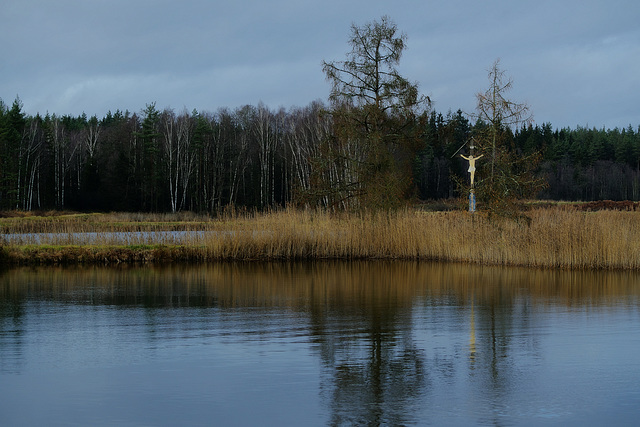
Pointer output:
x,y
555,237
74,255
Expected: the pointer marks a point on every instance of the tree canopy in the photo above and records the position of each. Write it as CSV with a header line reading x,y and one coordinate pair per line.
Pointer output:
x,y
376,145
376,114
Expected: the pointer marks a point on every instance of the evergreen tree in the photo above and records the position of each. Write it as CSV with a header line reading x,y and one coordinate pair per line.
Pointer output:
x,y
12,124
148,170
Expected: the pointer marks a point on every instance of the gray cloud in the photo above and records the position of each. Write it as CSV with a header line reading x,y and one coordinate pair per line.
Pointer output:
x,y
575,62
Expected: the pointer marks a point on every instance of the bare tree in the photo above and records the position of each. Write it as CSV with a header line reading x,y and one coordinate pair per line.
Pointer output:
x,y
306,129
511,174
31,158
205,179
239,143
267,138
179,156
497,111
186,154
63,150
374,110
92,136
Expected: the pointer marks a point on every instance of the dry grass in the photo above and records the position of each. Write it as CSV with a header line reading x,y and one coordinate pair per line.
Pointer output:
x,y
557,237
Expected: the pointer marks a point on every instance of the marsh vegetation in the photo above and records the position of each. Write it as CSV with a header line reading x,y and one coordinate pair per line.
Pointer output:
x,y
555,237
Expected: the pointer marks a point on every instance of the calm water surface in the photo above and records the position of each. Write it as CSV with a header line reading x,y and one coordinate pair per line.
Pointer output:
x,y
318,344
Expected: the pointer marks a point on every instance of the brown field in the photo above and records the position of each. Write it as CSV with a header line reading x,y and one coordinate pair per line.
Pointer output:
x,y
564,236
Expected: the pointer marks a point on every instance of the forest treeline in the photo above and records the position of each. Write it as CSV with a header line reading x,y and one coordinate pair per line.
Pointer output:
x,y
258,157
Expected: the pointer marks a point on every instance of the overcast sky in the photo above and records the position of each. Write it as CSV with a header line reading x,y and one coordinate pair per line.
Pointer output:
x,y
575,62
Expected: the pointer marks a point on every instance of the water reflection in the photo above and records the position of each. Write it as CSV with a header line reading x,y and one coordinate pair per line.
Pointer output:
x,y
397,342
365,284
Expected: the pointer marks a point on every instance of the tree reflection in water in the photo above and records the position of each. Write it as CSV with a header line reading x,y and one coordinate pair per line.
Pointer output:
x,y
373,371
391,337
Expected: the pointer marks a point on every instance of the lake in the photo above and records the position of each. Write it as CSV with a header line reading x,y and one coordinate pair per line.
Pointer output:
x,y
323,343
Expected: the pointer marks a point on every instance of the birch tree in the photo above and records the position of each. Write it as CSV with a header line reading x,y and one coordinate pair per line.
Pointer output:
x,y
306,129
239,158
91,194
204,188
32,155
178,154
92,136
63,152
266,132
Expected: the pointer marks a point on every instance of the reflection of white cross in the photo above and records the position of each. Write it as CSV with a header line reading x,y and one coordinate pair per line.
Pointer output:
x,y
472,164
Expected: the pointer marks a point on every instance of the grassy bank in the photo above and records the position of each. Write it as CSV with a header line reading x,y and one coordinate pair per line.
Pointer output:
x,y
556,237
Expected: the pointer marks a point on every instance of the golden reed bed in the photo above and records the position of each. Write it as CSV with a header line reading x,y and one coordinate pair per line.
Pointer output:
x,y
554,237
